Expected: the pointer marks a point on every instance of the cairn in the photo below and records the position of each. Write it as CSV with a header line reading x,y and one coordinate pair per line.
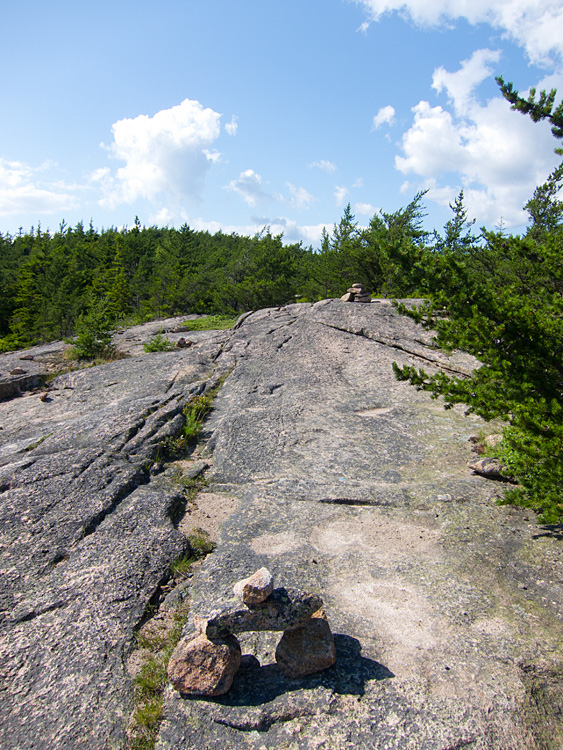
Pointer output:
x,y
207,663
356,293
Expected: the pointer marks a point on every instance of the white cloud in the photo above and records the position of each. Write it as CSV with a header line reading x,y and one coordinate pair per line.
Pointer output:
x,y
300,198
365,209
232,126
385,116
249,186
536,25
497,156
167,153
461,84
23,191
324,165
340,195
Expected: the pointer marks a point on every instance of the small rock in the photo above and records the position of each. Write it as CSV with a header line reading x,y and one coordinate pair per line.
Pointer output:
x,y
27,357
256,588
491,441
308,649
183,343
199,666
489,467
45,397
348,297
17,371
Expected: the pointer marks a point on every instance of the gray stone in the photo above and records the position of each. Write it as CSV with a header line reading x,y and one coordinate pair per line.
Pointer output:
x,y
183,343
447,609
86,540
355,485
284,608
489,467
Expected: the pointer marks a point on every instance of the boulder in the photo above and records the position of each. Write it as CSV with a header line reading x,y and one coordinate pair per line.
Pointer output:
x,y
307,649
199,666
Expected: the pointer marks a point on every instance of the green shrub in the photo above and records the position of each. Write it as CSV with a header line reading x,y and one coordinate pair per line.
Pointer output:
x,y
158,343
94,333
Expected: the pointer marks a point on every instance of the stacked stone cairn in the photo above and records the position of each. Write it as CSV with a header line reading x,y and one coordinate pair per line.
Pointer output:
x,y
356,293
207,663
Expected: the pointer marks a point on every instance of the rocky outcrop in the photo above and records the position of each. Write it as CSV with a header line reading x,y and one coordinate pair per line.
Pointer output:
x,y
208,663
87,536
446,608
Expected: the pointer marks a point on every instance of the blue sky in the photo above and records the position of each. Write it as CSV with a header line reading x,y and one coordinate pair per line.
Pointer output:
x,y
236,115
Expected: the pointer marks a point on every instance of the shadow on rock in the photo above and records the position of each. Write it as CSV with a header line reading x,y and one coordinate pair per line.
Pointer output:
x,y
552,531
255,685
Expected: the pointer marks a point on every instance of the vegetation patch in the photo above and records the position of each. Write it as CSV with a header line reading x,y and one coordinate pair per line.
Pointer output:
x,y
209,323
158,343
155,643
157,639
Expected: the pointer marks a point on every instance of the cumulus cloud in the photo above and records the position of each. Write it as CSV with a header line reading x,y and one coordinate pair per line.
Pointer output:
x,y
536,25
300,198
168,153
324,165
385,116
249,186
23,191
496,155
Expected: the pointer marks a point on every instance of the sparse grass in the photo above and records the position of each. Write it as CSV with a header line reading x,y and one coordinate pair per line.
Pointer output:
x,y
151,680
200,543
196,410
209,323
38,442
200,546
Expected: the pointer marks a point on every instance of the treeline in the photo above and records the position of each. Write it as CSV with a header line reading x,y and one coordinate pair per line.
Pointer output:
x,y
48,281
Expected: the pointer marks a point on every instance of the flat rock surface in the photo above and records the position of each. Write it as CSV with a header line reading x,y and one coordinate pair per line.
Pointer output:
x,y
446,608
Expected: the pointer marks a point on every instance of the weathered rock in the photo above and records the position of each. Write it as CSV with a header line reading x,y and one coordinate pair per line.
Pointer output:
x,y
199,666
348,297
86,539
284,608
355,485
489,467
308,649
256,588
447,609
183,343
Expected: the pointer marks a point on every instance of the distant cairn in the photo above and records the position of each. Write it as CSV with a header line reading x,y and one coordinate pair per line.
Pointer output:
x,y
356,293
